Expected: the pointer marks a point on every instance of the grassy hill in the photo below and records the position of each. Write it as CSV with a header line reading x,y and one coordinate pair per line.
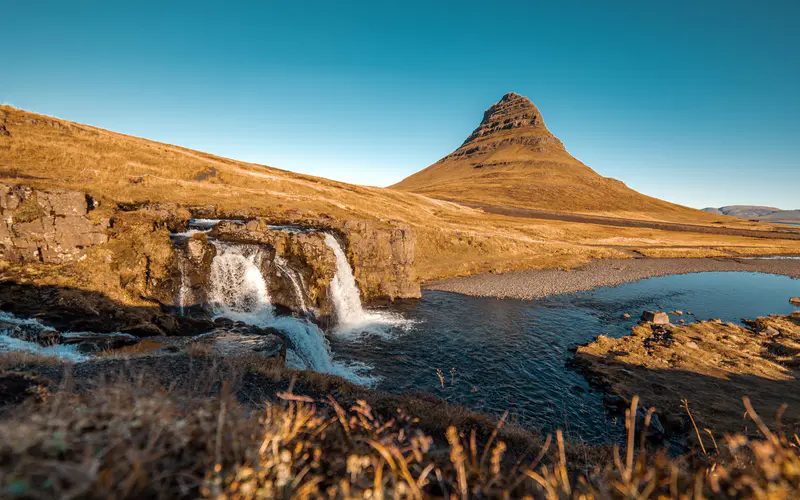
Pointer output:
x,y
452,239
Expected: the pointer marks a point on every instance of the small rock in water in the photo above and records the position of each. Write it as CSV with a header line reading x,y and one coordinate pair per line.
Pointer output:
x,y
626,316
677,312
657,317
795,301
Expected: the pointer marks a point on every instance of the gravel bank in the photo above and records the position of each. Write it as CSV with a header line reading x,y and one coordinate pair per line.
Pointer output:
x,y
541,283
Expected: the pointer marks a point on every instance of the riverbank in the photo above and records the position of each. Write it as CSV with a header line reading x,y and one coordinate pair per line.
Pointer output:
x,y
537,284
709,366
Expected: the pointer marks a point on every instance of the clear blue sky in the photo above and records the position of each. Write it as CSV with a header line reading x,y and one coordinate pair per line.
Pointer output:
x,y
694,102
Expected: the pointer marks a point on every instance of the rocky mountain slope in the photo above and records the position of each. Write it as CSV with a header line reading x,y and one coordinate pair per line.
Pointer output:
x,y
767,214
512,159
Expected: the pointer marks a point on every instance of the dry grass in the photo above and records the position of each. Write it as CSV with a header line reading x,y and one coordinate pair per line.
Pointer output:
x,y
136,440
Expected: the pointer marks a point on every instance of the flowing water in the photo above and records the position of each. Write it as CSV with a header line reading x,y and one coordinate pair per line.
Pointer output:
x,y
352,320
501,355
238,291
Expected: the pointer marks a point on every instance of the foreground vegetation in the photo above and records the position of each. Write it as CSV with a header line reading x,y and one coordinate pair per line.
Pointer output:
x,y
119,429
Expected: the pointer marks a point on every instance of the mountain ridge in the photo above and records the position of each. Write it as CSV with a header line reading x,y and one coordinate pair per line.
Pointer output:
x,y
762,213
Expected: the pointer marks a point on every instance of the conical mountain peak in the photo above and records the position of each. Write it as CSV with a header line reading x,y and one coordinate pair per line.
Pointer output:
x,y
512,159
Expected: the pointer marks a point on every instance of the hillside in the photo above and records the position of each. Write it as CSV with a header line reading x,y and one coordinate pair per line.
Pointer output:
x,y
766,214
512,159
452,240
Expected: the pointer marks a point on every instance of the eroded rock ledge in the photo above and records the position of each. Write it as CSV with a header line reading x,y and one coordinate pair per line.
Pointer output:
x,y
119,269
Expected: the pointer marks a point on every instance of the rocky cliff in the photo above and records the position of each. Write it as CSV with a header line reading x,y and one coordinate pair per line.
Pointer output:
x,y
382,257
50,226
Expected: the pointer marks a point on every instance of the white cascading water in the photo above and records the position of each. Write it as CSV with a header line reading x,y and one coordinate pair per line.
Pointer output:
x,y
351,317
185,288
9,343
239,292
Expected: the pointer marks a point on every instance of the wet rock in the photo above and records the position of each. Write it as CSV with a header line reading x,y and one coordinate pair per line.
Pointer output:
x,y
91,343
656,317
614,401
677,312
626,316
143,330
30,332
795,301
233,343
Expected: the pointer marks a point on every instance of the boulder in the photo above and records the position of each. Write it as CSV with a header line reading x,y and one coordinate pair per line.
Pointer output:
x,y
656,317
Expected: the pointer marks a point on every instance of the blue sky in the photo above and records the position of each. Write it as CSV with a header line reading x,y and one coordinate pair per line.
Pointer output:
x,y
693,102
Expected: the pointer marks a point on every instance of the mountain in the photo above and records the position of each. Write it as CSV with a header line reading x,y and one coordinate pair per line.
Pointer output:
x,y
512,159
767,214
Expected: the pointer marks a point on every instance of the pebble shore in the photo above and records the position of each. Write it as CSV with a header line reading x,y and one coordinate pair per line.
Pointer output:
x,y
611,272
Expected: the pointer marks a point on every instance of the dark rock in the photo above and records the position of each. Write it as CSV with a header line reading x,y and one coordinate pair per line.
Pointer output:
x,y
90,342
17,387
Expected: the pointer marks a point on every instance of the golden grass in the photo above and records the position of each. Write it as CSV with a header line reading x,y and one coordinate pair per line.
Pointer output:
x,y
133,440
451,239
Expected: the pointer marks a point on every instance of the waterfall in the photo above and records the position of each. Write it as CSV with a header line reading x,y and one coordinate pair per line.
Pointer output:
x,y
351,317
344,292
295,278
185,287
238,291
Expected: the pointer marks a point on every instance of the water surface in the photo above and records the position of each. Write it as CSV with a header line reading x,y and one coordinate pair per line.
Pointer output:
x,y
506,354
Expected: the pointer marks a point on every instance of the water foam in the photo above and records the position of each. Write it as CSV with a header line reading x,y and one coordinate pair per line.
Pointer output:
x,y
8,343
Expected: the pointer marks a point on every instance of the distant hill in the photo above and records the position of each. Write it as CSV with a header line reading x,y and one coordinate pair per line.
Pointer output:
x,y
767,214
512,159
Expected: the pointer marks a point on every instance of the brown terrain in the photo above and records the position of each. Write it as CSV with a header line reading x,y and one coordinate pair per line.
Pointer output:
x,y
96,207
709,364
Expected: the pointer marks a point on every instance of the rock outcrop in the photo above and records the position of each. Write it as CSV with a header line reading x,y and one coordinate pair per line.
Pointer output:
x,y
50,226
382,256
